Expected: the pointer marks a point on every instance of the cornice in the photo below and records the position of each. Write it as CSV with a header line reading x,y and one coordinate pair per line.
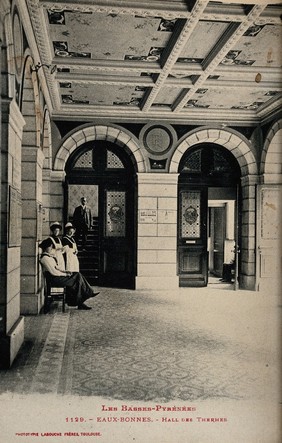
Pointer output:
x,y
28,11
270,111
194,116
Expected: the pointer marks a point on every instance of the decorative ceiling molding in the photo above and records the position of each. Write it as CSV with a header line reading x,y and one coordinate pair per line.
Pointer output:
x,y
134,114
185,33
169,9
170,82
212,65
104,82
34,47
112,65
154,8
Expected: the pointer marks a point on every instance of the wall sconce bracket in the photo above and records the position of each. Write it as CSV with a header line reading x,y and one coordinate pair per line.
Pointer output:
x,y
35,68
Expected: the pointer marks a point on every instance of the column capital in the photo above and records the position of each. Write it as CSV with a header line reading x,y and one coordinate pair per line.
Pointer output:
x,y
157,178
250,180
33,154
57,176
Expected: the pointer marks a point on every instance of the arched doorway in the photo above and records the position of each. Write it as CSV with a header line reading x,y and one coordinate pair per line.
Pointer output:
x,y
103,173
208,187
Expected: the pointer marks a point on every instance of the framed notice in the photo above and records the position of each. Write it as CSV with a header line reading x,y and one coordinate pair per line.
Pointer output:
x,y
15,216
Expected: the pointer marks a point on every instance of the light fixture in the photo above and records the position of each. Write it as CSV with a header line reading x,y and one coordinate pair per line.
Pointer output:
x,y
35,68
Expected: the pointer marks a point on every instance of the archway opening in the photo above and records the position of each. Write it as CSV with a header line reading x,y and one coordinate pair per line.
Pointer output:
x,y
208,216
103,173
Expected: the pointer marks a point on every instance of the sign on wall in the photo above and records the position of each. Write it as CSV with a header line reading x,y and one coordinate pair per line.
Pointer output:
x,y
147,216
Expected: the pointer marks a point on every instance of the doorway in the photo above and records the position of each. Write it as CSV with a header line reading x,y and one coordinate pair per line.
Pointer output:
x,y
221,234
105,175
207,206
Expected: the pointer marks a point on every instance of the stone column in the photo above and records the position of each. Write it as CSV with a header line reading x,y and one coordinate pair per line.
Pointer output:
x,y
31,283
11,323
248,232
157,231
57,179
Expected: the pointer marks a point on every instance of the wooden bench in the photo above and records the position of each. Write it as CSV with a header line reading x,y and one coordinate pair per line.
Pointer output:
x,y
53,293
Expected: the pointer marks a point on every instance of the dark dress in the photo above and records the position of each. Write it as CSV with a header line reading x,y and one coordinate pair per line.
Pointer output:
x,y
78,288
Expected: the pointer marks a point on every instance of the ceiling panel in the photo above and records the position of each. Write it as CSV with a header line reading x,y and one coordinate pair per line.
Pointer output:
x,y
203,38
106,36
234,98
160,59
261,49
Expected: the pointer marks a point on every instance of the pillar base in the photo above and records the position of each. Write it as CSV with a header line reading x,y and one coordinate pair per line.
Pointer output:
x,y
247,282
11,343
31,304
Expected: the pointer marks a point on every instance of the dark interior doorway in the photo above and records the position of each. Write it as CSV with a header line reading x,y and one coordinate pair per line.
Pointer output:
x,y
103,173
208,180
222,233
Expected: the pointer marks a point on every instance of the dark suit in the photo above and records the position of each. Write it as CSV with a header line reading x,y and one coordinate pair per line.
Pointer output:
x,y
82,220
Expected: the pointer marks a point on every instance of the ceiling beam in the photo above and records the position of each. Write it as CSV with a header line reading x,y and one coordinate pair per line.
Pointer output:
x,y
108,65
148,82
183,35
219,55
169,9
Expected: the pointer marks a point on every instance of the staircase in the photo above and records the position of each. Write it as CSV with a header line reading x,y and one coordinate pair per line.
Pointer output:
x,y
89,259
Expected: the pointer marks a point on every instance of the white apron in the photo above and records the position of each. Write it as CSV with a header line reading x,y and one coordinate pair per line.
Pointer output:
x,y
59,253
60,259
72,263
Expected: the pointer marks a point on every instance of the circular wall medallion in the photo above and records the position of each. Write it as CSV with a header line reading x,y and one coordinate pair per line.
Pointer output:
x,y
18,44
157,139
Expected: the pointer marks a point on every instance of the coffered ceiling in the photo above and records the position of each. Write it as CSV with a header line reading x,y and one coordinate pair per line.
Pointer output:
x,y
168,60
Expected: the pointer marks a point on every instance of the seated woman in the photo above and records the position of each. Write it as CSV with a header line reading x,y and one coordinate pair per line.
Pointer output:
x,y
78,287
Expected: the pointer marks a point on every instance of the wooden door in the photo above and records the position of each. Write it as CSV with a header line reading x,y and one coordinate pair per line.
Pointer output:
x,y
192,236
117,237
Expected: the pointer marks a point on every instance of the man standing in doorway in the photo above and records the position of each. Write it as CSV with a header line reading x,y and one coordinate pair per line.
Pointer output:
x,y
82,220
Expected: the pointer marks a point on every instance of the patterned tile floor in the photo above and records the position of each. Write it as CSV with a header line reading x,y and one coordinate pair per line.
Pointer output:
x,y
190,345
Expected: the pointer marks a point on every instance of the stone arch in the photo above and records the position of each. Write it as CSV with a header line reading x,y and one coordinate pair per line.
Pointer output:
x,y
236,143
112,133
271,157
46,143
31,187
240,147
